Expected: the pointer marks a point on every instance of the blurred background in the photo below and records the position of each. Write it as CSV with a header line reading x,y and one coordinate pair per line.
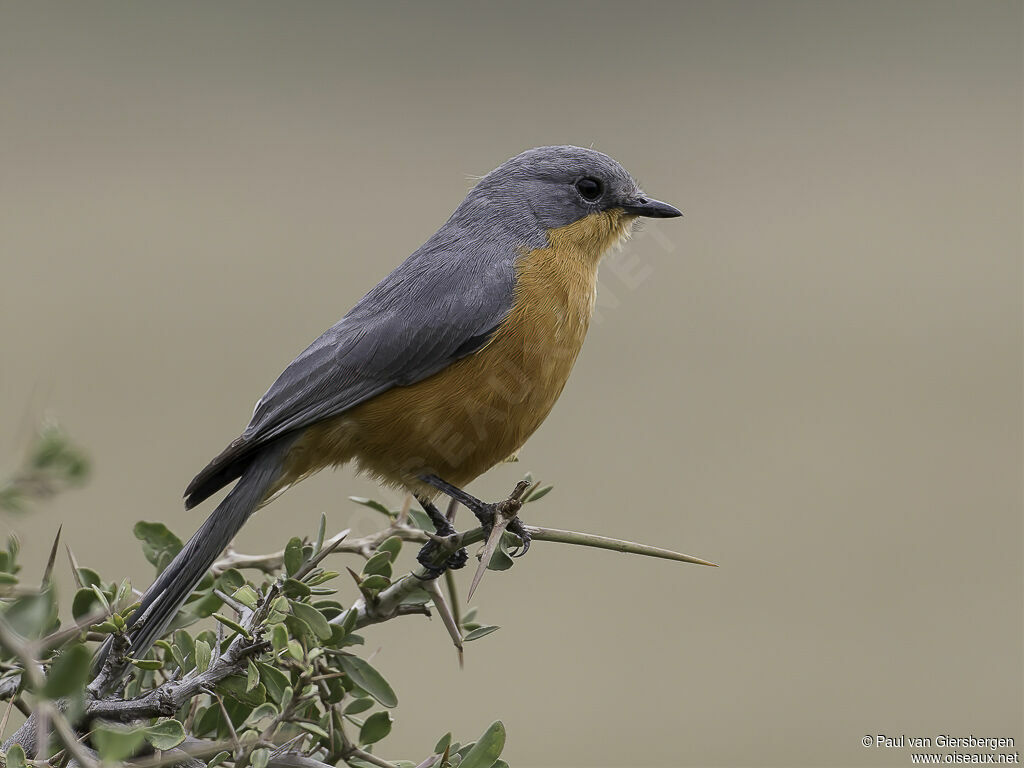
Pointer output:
x,y
813,379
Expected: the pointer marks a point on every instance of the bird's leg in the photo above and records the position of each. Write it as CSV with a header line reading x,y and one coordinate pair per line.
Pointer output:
x,y
442,527
485,513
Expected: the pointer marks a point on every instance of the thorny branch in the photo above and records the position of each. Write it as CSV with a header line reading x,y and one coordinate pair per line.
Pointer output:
x,y
394,601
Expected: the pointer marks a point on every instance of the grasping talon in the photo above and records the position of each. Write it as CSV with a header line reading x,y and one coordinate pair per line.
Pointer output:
x,y
443,528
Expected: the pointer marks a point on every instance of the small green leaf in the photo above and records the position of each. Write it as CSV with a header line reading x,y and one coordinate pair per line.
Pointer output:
x,y
115,742
235,687
380,564
16,757
313,618
375,582
293,556
147,663
260,758
371,504
295,650
232,624
247,596
217,759
295,588
252,676
479,632
69,673
203,655
273,679
392,545
358,705
369,679
443,743
316,730
487,749
158,543
279,638
500,560
167,734
540,493
84,603
376,727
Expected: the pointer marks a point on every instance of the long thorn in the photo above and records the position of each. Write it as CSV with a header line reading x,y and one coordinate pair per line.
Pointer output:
x,y
500,524
447,618
53,557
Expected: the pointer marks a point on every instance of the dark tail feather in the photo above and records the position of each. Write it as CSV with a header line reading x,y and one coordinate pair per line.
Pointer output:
x,y
168,593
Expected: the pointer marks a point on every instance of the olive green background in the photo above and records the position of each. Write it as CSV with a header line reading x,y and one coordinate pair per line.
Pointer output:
x,y
813,379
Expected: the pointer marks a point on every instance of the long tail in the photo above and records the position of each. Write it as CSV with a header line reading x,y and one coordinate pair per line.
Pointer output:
x,y
168,593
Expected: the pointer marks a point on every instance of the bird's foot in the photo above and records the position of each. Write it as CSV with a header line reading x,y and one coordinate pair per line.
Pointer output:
x,y
443,528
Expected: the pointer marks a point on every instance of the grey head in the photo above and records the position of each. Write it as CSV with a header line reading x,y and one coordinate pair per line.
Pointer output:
x,y
556,186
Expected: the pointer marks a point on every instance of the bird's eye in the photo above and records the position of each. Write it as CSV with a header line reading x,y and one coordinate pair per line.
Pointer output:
x,y
589,188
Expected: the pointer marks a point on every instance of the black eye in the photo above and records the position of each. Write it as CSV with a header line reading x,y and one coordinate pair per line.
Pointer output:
x,y
589,188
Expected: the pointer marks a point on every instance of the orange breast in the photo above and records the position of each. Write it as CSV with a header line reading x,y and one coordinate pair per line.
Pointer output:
x,y
478,411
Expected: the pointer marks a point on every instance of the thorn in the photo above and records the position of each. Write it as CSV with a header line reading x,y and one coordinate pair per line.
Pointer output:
x,y
53,557
447,618
500,524
74,566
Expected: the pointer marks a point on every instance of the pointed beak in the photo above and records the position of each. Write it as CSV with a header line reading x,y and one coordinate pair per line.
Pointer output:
x,y
654,209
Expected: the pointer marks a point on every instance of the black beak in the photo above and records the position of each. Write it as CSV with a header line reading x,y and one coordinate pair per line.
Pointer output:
x,y
654,209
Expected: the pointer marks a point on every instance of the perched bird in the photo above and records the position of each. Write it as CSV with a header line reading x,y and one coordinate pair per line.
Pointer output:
x,y
441,371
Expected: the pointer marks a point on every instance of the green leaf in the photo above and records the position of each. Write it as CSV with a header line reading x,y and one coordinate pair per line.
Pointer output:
x,y
313,618
167,734
16,757
293,556
230,580
375,582
264,711
376,727
260,758
500,560
273,679
203,655
232,624
89,577
380,564
69,673
32,616
279,638
147,663
419,518
540,493
252,678
247,596
392,545
443,743
84,603
316,730
358,705
487,749
235,687
217,759
295,588
479,632
295,650
371,504
158,543
369,679
115,742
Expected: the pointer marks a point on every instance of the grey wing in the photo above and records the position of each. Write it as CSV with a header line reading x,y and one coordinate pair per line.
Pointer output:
x,y
403,331
425,315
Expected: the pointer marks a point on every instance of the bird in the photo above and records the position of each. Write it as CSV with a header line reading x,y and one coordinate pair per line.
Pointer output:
x,y
441,371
